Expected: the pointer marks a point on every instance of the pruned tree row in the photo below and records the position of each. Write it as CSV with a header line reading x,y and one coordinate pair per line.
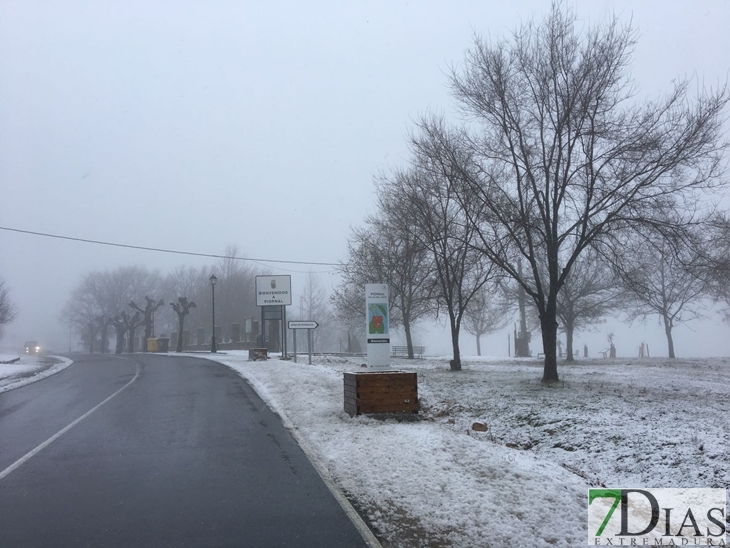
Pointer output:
x,y
120,304
123,300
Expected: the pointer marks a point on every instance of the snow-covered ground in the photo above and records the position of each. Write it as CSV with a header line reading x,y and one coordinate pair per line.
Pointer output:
x,y
435,482
29,369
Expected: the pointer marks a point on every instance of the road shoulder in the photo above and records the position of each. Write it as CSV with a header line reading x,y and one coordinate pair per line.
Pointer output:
x,y
30,369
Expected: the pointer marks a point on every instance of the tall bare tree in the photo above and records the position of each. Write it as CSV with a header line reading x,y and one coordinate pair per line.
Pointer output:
x,y
182,308
425,197
82,312
562,153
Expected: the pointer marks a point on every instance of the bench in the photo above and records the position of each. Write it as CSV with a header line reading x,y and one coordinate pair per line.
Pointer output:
x,y
403,351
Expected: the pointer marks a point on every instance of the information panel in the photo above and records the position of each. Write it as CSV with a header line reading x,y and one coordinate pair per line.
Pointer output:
x,y
378,325
273,290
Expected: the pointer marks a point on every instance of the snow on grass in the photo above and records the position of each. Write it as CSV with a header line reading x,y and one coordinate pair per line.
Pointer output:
x,y
30,369
435,482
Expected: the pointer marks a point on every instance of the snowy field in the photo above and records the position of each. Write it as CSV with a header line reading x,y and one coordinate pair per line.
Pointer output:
x,y
28,369
434,482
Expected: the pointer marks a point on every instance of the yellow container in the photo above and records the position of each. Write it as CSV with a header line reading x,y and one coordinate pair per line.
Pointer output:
x,y
151,345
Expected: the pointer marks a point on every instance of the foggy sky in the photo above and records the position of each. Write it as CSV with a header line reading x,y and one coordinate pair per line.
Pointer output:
x,y
192,125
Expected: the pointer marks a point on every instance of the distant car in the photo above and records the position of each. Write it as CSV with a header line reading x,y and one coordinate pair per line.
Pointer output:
x,y
32,347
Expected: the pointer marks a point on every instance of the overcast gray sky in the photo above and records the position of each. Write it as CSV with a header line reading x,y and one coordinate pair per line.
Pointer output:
x,y
194,125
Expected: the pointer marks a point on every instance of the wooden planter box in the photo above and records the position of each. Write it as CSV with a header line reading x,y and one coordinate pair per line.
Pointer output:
x,y
258,354
381,392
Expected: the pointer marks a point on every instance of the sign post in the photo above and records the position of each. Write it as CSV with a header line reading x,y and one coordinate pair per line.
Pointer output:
x,y
378,326
273,291
308,325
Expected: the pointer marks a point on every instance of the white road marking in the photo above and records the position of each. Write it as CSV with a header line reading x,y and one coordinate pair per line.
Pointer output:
x,y
61,432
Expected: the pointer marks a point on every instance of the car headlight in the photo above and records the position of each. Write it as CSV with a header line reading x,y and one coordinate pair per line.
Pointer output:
x,y
37,348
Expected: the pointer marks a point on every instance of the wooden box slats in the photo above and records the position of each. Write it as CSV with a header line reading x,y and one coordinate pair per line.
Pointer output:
x,y
381,392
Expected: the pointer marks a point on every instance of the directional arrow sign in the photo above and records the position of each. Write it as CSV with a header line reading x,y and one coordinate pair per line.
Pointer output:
x,y
302,325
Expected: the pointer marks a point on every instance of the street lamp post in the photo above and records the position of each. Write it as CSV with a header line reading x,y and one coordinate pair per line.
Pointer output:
x,y
213,280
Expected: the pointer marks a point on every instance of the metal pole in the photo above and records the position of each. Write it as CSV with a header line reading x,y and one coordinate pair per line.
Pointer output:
x,y
283,328
263,327
294,334
212,341
309,344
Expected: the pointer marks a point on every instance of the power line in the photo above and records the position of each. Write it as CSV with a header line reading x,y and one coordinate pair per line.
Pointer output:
x,y
160,250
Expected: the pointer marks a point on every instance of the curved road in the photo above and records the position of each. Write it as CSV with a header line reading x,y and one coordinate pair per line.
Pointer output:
x,y
185,455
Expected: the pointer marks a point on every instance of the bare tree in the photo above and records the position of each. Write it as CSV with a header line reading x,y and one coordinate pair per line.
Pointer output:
x,y
182,308
387,251
148,314
562,153
81,312
183,280
489,311
662,279
132,321
235,295
101,296
425,197
120,328
716,263
314,306
8,309
588,294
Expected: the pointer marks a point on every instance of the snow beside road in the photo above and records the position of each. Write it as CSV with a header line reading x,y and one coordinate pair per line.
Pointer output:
x,y
434,482
30,369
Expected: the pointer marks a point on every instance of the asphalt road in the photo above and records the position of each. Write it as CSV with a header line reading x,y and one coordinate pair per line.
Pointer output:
x,y
186,455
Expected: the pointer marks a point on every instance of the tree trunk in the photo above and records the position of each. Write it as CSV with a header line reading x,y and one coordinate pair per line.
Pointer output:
x,y
409,337
104,339
549,327
147,332
181,320
479,345
131,340
119,347
456,362
569,342
668,331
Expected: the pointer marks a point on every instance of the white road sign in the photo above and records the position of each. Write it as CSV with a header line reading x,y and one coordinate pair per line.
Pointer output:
x,y
303,325
273,290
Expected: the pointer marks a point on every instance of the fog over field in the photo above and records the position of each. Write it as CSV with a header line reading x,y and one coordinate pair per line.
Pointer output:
x,y
196,126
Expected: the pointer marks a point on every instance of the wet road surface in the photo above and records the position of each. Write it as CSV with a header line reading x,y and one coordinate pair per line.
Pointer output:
x,y
183,453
